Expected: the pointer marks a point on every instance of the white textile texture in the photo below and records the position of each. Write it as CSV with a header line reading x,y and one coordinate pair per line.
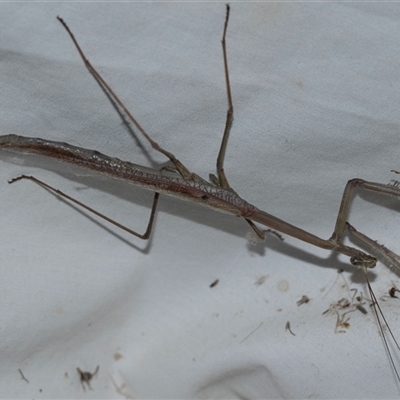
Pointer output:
x,y
316,92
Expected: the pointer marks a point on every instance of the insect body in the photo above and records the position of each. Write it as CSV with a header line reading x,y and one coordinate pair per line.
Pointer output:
x,y
186,185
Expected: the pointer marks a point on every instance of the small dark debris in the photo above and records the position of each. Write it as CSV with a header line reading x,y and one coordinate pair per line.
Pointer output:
x,y
22,375
287,327
392,292
215,283
303,300
261,280
86,377
361,308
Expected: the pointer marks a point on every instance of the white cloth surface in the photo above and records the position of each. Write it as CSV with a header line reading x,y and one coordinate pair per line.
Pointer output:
x,y
316,91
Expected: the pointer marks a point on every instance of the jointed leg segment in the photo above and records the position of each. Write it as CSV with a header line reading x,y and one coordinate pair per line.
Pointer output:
x,y
186,174
389,257
143,236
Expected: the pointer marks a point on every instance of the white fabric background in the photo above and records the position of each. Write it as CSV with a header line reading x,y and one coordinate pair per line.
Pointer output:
x,y
316,89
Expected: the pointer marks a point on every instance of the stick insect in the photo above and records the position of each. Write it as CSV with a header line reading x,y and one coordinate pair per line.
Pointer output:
x,y
186,185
